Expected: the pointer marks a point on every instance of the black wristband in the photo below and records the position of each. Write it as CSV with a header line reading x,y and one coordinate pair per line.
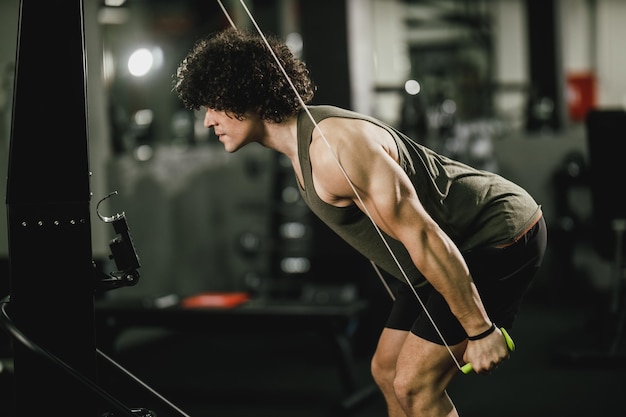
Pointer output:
x,y
483,334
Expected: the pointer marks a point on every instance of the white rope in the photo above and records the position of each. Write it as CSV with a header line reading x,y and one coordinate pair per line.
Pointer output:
x,y
345,174
383,280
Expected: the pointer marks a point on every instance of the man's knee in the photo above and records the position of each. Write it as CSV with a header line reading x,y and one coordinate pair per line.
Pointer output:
x,y
383,370
375,367
408,390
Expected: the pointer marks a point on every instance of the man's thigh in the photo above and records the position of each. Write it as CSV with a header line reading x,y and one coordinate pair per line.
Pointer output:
x,y
426,363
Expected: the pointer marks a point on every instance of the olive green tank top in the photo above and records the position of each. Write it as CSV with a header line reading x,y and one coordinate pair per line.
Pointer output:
x,y
475,208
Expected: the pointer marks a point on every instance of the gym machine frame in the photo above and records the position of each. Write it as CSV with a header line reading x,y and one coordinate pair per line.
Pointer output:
x,y
51,271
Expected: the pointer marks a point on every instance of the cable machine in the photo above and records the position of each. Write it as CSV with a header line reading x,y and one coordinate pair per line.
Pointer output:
x,y
50,309
48,209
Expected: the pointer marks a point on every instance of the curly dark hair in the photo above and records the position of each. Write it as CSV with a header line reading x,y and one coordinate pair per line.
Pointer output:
x,y
234,71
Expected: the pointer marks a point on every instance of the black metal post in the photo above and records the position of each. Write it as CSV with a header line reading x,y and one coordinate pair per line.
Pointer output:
x,y
50,254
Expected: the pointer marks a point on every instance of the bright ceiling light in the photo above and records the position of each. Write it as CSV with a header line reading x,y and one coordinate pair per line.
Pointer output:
x,y
140,62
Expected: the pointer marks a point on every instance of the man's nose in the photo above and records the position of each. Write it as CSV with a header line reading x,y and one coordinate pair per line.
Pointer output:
x,y
208,120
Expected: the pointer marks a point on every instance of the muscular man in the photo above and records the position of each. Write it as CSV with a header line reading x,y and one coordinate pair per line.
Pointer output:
x,y
468,241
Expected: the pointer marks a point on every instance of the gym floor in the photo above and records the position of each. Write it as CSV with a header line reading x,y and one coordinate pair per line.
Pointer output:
x,y
561,367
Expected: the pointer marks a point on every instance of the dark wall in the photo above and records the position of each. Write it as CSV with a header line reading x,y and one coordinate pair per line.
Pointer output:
x,y
325,38
546,73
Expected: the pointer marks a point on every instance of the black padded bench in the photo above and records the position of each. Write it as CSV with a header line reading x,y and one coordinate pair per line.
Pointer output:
x,y
329,321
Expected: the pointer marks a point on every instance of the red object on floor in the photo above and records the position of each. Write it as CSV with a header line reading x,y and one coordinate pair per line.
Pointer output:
x,y
215,299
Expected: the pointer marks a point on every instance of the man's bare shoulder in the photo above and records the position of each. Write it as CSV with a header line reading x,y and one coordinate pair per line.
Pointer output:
x,y
352,147
353,135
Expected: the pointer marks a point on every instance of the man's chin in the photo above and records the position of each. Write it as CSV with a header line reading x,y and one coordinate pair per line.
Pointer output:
x,y
227,146
233,149
230,149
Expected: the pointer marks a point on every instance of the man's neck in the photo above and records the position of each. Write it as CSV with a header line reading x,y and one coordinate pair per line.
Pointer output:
x,y
282,137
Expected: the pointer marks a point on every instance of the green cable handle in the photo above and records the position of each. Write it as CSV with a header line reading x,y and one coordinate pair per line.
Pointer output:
x,y
467,368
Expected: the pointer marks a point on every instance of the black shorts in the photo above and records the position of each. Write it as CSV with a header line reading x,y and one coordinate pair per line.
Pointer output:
x,y
502,276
